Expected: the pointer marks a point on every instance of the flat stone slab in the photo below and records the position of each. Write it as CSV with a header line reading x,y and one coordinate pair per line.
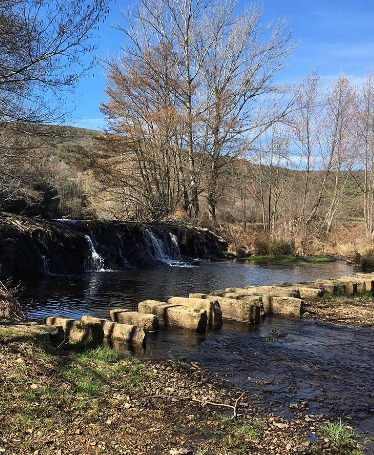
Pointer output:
x,y
287,306
171,315
242,310
149,322
211,305
33,330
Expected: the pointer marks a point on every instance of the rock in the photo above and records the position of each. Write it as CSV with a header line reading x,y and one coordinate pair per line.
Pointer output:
x,y
266,293
197,295
105,324
181,451
176,315
30,329
287,306
149,322
74,332
308,292
31,247
247,310
128,333
211,305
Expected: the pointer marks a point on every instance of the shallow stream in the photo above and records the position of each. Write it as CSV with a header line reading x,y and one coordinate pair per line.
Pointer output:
x,y
319,367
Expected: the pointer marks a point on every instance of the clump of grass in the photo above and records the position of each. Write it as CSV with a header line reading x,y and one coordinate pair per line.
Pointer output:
x,y
342,437
239,436
291,259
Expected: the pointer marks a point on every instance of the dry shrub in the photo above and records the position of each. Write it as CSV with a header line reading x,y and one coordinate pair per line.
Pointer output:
x,y
10,309
367,261
348,239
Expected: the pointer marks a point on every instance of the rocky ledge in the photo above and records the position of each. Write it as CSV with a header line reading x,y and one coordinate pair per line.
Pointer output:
x,y
32,247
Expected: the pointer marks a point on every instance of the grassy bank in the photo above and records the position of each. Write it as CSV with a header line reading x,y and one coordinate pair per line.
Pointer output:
x,y
266,259
98,401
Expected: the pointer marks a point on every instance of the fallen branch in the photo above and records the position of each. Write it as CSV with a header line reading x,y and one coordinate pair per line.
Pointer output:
x,y
234,407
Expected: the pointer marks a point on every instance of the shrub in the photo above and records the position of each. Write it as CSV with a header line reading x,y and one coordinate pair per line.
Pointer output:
x,y
367,261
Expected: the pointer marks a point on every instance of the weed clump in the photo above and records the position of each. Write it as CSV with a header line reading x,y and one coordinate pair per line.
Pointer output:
x,y
367,261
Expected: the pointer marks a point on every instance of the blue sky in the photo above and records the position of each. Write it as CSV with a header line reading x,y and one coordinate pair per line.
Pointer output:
x,y
333,37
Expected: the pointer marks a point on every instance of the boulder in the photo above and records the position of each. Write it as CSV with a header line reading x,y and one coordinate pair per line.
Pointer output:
x,y
30,329
74,332
149,322
176,315
246,310
155,307
197,295
105,324
306,292
211,306
127,333
287,306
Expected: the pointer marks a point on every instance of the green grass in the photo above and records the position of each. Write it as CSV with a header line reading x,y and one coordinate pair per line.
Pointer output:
x,y
290,259
235,436
91,372
342,437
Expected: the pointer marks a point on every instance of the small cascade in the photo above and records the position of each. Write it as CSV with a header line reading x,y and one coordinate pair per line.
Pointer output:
x,y
45,265
175,246
172,258
158,248
93,262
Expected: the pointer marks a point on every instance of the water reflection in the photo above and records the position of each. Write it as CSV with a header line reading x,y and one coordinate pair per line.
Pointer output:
x,y
95,293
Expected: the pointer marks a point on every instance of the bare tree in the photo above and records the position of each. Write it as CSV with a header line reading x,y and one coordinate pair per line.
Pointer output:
x,y
269,169
44,49
324,140
43,45
238,70
366,152
218,77
340,140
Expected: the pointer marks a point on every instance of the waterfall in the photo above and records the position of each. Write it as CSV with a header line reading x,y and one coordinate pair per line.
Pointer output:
x,y
93,262
158,248
175,246
173,258
45,265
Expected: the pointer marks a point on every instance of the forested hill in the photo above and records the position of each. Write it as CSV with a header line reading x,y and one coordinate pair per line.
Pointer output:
x,y
56,171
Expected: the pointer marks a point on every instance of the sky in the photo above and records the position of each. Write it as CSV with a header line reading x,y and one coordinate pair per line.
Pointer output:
x,y
332,37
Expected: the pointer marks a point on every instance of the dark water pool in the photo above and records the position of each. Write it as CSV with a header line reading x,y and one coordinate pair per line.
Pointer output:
x,y
95,293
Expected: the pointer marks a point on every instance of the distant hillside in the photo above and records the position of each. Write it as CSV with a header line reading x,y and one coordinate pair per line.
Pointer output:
x,y
56,173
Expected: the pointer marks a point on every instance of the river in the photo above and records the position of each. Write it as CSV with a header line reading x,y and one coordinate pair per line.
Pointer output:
x,y
280,363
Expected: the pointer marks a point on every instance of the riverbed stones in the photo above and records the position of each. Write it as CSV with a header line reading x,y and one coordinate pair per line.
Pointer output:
x,y
176,315
90,331
76,333
211,306
287,306
149,322
358,283
246,310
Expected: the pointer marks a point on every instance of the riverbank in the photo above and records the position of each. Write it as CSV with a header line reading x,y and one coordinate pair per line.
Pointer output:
x,y
97,402
357,310
57,401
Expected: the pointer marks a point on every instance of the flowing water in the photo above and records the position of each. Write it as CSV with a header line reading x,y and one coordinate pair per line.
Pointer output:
x,y
280,362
